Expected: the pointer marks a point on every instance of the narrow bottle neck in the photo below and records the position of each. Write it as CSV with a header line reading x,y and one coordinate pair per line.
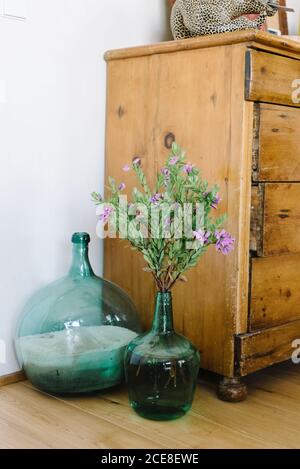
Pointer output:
x,y
163,316
80,262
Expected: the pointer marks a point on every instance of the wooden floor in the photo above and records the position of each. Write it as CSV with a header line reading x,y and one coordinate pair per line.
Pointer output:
x,y
270,418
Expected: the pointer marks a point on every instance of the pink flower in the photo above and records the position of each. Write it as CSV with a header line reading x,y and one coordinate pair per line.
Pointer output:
x,y
225,242
122,186
216,201
156,198
126,168
166,172
136,161
106,214
202,236
173,160
188,168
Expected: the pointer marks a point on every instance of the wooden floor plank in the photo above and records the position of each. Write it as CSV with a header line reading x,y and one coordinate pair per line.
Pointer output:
x,y
13,435
287,371
119,414
268,419
253,417
277,393
58,425
204,411
193,431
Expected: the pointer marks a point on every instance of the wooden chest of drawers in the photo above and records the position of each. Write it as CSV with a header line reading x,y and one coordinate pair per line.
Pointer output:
x,y
232,102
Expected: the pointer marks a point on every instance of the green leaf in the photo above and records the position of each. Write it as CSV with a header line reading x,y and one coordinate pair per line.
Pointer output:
x,y
175,148
168,258
182,278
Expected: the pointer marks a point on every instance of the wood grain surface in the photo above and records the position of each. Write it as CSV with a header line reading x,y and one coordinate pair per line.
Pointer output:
x,y
268,419
278,143
203,108
275,293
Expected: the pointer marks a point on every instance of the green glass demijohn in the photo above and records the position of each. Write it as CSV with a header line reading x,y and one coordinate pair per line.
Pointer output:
x,y
72,334
161,367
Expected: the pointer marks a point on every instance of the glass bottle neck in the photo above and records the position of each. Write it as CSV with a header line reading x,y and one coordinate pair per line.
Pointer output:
x,y
163,316
80,262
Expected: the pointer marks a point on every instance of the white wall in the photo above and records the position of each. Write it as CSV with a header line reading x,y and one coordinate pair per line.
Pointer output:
x,y
52,134
294,18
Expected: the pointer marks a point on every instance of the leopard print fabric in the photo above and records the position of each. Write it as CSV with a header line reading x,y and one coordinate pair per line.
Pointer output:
x,y
192,18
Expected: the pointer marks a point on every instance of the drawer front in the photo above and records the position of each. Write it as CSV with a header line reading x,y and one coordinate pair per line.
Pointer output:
x,y
275,219
276,143
258,350
272,78
275,291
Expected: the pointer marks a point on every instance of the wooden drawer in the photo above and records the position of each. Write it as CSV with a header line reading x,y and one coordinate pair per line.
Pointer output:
x,y
275,291
260,349
271,78
275,219
276,146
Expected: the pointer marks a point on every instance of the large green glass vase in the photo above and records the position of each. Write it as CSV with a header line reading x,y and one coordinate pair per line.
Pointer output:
x,y
161,368
72,335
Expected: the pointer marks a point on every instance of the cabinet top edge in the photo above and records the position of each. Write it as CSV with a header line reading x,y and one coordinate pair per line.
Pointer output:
x,y
215,40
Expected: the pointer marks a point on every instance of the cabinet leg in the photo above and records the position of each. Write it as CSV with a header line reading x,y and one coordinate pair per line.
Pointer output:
x,y
232,390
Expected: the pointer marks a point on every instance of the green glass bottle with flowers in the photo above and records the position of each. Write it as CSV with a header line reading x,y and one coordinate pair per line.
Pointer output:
x,y
172,227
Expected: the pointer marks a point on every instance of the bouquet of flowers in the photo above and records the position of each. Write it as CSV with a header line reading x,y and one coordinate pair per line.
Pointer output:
x,y
171,224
